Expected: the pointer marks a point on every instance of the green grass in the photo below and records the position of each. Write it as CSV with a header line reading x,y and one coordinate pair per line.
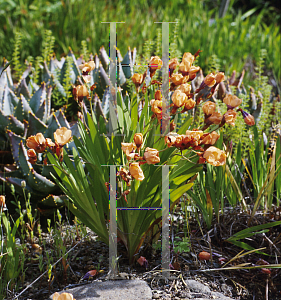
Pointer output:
x,y
235,39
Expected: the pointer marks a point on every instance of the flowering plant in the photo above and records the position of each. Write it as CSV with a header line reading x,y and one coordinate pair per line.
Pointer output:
x,y
139,147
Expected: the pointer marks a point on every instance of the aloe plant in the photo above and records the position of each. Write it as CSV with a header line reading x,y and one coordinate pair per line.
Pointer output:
x,y
25,110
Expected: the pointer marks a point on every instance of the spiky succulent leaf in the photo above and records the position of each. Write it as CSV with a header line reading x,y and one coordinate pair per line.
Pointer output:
x,y
15,141
22,109
24,165
38,98
41,183
23,89
15,125
35,125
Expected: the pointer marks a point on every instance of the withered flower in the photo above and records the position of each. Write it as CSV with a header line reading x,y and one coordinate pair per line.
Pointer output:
x,y
210,138
178,98
37,142
136,171
232,101
215,156
215,118
138,139
209,108
188,58
210,80
193,70
62,136
185,88
178,79
230,117
128,147
194,136
32,157
170,140
2,201
79,92
151,156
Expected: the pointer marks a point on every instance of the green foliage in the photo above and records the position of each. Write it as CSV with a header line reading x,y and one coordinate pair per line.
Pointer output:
x,y
16,55
84,50
47,45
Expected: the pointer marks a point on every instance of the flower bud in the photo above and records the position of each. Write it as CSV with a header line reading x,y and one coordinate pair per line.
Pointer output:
x,y
136,171
158,95
248,119
138,139
137,79
23,184
2,201
210,80
204,255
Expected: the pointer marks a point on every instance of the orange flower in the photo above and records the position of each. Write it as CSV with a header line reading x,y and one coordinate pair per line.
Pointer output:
x,y
188,58
178,79
32,156
194,136
79,92
210,80
128,147
219,77
2,201
210,139
193,70
155,63
138,139
158,95
189,104
215,156
156,106
209,108
136,171
232,101
185,88
151,156
62,296
170,140
37,142
178,98
87,67
137,79
215,118
173,64
62,136
230,117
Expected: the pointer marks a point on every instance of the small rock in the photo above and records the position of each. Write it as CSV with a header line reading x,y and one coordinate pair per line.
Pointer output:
x,y
197,287
155,296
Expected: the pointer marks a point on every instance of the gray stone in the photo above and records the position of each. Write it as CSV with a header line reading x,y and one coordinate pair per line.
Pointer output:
x,y
220,296
197,287
112,289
